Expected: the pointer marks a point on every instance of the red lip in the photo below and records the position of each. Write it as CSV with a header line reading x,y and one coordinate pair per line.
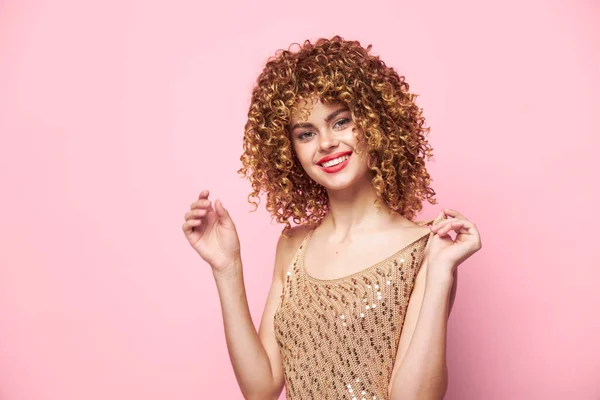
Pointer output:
x,y
333,156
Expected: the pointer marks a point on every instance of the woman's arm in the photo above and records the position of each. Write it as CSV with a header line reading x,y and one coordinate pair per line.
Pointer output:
x,y
256,377
420,370
255,357
422,373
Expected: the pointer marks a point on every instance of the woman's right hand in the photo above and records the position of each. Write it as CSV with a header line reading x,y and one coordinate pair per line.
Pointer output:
x,y
212,233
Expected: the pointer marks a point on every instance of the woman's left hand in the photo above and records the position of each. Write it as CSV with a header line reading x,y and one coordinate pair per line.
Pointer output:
x,y
444,254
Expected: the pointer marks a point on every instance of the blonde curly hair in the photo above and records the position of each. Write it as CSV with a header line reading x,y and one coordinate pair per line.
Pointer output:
x,y
393,129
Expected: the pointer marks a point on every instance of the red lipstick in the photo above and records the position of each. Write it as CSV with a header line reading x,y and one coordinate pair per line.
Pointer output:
x,y
338,167
333,156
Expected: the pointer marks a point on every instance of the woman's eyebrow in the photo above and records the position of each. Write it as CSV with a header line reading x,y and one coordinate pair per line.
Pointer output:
x,y
335,114
327,119
301,125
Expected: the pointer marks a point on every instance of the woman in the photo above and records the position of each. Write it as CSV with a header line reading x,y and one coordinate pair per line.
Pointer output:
x,y
361,293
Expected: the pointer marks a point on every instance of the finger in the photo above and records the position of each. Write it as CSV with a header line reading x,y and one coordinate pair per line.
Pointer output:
x,y
188,226
223,213
452,226
469,228
469,233
441,224
453,213
460,226
201,204
443,231
204,194
441,218
195,214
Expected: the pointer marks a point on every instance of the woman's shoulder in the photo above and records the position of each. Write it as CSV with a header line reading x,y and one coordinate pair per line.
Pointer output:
x,y
417,225
410,230
430,221
288,244
291,238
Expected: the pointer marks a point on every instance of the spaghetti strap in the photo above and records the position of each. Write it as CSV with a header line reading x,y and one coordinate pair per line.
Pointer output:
x,y
301,248
431,223
306,238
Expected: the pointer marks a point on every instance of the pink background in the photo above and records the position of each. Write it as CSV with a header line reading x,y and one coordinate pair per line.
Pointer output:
x,y
114,115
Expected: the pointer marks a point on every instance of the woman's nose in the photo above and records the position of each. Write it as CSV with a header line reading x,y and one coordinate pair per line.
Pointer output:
x,y
328,140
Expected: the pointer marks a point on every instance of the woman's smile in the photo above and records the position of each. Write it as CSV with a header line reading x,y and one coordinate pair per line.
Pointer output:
x,y
335,162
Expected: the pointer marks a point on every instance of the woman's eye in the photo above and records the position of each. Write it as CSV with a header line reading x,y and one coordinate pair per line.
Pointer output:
x,y
341,123
305,135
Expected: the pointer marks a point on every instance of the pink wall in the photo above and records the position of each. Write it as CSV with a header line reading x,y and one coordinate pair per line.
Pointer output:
x,y
114,115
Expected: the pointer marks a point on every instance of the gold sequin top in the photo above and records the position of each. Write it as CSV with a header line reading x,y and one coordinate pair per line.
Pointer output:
x,y
338,338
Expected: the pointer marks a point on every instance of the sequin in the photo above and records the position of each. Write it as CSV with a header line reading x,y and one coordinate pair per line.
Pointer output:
x,y
321,356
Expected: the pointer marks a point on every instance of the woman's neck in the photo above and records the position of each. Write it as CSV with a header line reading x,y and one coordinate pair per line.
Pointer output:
x,y
353,210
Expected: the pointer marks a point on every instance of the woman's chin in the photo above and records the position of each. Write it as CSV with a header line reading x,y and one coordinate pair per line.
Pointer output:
x,y
342,180
340,185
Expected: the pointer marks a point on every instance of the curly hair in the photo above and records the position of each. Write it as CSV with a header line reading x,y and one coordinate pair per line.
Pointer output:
x,y
393,129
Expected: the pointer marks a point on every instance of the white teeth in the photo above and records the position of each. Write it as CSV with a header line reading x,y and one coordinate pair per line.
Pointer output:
x,y
335,161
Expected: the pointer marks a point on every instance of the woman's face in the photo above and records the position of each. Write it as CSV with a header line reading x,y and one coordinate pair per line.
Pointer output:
x,y
325,143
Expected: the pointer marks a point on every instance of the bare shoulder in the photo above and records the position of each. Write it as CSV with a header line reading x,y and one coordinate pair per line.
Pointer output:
x,y
288,245
408,232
